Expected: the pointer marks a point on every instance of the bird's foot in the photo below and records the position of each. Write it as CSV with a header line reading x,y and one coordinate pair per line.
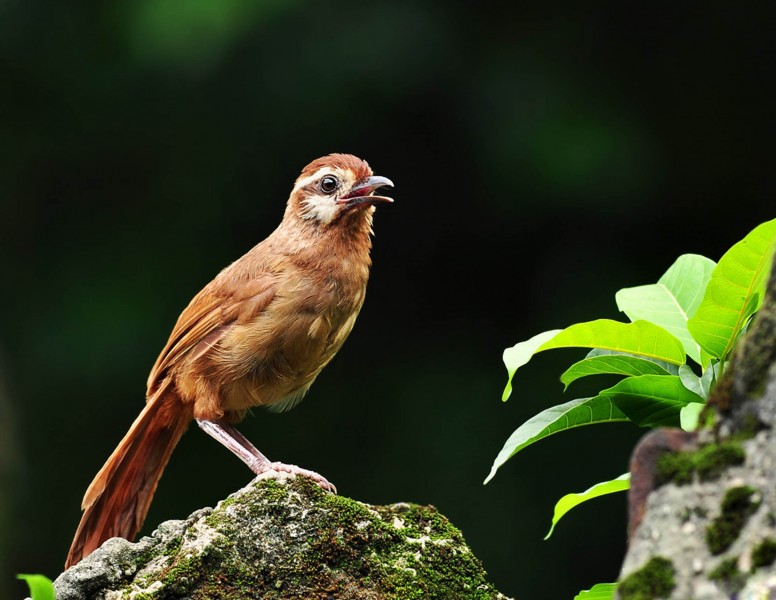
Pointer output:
x,y
294,470
250,455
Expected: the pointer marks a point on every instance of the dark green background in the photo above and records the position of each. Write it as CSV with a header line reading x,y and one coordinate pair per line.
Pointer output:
x,y
544,155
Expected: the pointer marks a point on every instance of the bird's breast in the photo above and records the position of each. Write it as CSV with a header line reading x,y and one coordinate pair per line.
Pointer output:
x,y
277,355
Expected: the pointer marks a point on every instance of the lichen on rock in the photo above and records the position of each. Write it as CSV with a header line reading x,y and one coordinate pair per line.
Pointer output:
x,y
286,538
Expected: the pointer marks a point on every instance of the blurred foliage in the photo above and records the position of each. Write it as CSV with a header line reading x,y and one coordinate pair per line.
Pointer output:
x,y
544,156
41,587
194,40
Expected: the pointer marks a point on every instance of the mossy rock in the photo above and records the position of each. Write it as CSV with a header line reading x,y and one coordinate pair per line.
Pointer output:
x,y
738,504
708,462
278,539
728,576
653,580
764,554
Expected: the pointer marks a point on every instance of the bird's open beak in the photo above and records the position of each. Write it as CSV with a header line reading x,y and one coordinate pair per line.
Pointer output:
x,y
362,192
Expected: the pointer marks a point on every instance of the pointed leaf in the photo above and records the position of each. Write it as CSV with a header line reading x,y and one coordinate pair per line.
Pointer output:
x,y
576,413
651,400
640,338
708,378
688,416
690,380
570,501
519,354
600,591
673,300
735,291
611,364
41,587
686,279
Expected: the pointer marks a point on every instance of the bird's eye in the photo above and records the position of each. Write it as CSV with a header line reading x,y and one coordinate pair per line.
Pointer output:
x,y
329,184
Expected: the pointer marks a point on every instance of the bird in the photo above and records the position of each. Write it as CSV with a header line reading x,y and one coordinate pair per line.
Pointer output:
x,y
257,335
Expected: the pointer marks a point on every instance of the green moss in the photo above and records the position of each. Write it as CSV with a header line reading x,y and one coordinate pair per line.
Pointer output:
x,y
713,460
274,491
273,494
737,506
764,553
433,561
324,546
653,580
726,569
677,468
728,576
406,552
170,550
708,463
184,571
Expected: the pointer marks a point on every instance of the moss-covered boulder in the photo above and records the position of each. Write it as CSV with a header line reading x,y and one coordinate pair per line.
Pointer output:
x,y
286,538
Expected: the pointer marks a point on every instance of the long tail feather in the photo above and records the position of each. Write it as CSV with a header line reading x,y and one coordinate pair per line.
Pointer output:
x,y
117,501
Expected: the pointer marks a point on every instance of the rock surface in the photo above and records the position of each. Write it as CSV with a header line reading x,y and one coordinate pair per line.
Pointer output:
x,y
709,538
286,538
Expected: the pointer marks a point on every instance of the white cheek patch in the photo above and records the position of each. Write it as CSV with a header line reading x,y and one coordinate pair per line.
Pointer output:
x,y
320,208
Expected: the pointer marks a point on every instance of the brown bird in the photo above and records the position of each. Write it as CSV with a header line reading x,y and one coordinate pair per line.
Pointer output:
x,y
257,335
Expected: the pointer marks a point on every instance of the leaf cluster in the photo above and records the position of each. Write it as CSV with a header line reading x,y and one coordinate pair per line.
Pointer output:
x,y
680,334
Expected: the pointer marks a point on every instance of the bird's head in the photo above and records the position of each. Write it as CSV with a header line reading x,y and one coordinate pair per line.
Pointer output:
x,y
336,185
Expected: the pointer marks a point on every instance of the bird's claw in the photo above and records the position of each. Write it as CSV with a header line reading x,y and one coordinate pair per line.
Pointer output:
x,y
324,483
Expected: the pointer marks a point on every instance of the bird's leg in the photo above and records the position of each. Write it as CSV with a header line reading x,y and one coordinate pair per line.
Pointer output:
x,y
241,446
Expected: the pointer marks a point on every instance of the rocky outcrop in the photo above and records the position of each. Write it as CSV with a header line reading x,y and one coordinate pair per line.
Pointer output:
x,y
286,538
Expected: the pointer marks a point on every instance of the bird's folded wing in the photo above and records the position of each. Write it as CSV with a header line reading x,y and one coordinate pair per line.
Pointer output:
x,y
208,316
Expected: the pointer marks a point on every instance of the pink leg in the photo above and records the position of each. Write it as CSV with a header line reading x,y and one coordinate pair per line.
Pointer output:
x,y
239,445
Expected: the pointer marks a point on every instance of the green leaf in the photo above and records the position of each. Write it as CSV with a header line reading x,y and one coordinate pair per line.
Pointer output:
x,y
519,354
688,416
708,378
611,364
640,338
41,588
735,291
600,591
670,367
673,300
690,380
570,501
651,400
706,358
576,413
